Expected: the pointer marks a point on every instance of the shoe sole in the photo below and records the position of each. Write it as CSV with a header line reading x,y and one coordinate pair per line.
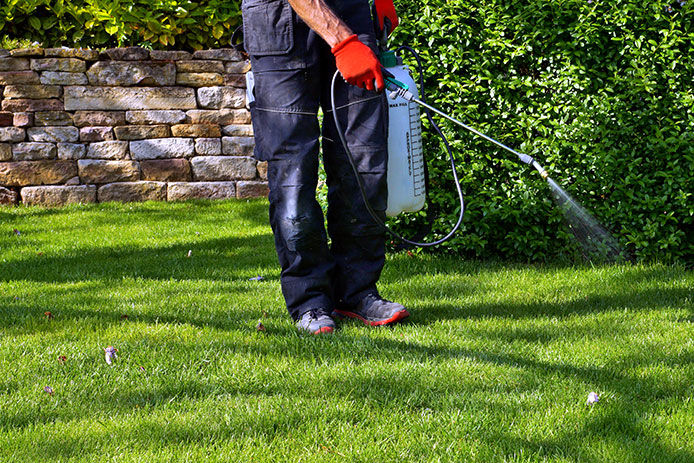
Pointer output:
x,y
399,316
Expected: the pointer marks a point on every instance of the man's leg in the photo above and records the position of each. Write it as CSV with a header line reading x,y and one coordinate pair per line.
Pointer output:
x,y
286,132
358,242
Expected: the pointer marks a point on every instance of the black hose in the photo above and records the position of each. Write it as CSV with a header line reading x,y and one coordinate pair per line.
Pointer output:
x,y
360,183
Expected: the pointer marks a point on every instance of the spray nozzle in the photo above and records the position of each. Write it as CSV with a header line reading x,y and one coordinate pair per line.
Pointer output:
x,y
541,170
531,161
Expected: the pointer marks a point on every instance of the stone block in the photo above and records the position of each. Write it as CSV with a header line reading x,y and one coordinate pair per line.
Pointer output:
x,y
63,78
32,91
65,52
73,181
246,189
108,150
238,130
52,118
86,54
4,53
12,134
221,97
140,132
133,192
199,79
196,130
94,118
199,65
124,73
169,55
6,118
211,168
201,190
71,151
33,151
162,148
25,173
237,67
98,133
25,105
166,170
118,98
18,77
208,146
29,51
23,119
5,152
155,117
226,54
127,54
14,64
52,196
58,64
238,146
262,170
53,134
7,197
220,117
235,80
99,172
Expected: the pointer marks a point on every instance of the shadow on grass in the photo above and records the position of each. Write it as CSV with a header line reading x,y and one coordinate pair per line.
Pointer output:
x,y
226,259
219,259
433,312
619,423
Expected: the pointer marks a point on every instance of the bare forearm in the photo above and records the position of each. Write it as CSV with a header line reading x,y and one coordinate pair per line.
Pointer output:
x,y
319,17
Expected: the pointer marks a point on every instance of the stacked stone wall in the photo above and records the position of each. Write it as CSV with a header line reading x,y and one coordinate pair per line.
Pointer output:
x,y
125,124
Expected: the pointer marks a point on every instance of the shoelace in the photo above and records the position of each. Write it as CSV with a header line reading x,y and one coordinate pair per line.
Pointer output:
x,y
315,314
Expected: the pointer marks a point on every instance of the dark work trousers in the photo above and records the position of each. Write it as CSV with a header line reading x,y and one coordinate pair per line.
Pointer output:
x,y
293,68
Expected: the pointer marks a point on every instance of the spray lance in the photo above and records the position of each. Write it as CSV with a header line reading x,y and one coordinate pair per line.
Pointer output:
x,y
401,90
406,170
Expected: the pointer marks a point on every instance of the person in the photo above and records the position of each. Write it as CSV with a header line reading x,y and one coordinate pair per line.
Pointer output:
x,y
295,46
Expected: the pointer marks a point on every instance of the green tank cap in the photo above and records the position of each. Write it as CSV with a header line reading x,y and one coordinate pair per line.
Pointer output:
x,y
388,59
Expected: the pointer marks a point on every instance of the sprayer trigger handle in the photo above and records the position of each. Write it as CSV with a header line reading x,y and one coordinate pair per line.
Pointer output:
x,y
391,82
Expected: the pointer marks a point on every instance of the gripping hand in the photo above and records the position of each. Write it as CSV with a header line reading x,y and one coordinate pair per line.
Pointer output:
x,y
358,64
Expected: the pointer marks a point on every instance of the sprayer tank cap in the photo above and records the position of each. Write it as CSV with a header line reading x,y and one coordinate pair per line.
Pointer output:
x,y
388,58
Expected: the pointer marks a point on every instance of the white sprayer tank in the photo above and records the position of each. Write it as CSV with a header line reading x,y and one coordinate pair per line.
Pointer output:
x,y
406,179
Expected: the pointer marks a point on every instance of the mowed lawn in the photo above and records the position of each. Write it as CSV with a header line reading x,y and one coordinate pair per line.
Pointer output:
x,y
495,363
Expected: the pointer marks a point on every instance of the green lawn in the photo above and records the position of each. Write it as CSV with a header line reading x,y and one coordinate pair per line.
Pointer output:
x,y
495,363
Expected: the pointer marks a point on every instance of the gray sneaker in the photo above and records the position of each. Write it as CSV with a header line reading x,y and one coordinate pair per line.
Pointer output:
x,y
376,311
316,321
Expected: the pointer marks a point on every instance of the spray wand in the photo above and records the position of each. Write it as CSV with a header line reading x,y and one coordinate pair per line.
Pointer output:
x,y
400,89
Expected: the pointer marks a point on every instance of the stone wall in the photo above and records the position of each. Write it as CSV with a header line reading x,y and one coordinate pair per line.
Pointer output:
x,y
126,124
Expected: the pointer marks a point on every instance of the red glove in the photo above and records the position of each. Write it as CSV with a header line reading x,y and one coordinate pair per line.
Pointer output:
x,y
386,9
358,64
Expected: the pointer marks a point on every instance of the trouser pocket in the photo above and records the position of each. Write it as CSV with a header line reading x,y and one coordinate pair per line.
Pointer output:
x,y
268,27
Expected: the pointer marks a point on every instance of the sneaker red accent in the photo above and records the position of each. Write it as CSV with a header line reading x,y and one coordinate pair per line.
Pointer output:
x,y
398,316
324,330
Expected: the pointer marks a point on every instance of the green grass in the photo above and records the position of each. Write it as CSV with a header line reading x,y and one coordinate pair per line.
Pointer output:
x,y
495,364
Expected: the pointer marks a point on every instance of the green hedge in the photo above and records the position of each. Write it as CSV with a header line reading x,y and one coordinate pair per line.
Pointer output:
x,y
157,24
601,93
